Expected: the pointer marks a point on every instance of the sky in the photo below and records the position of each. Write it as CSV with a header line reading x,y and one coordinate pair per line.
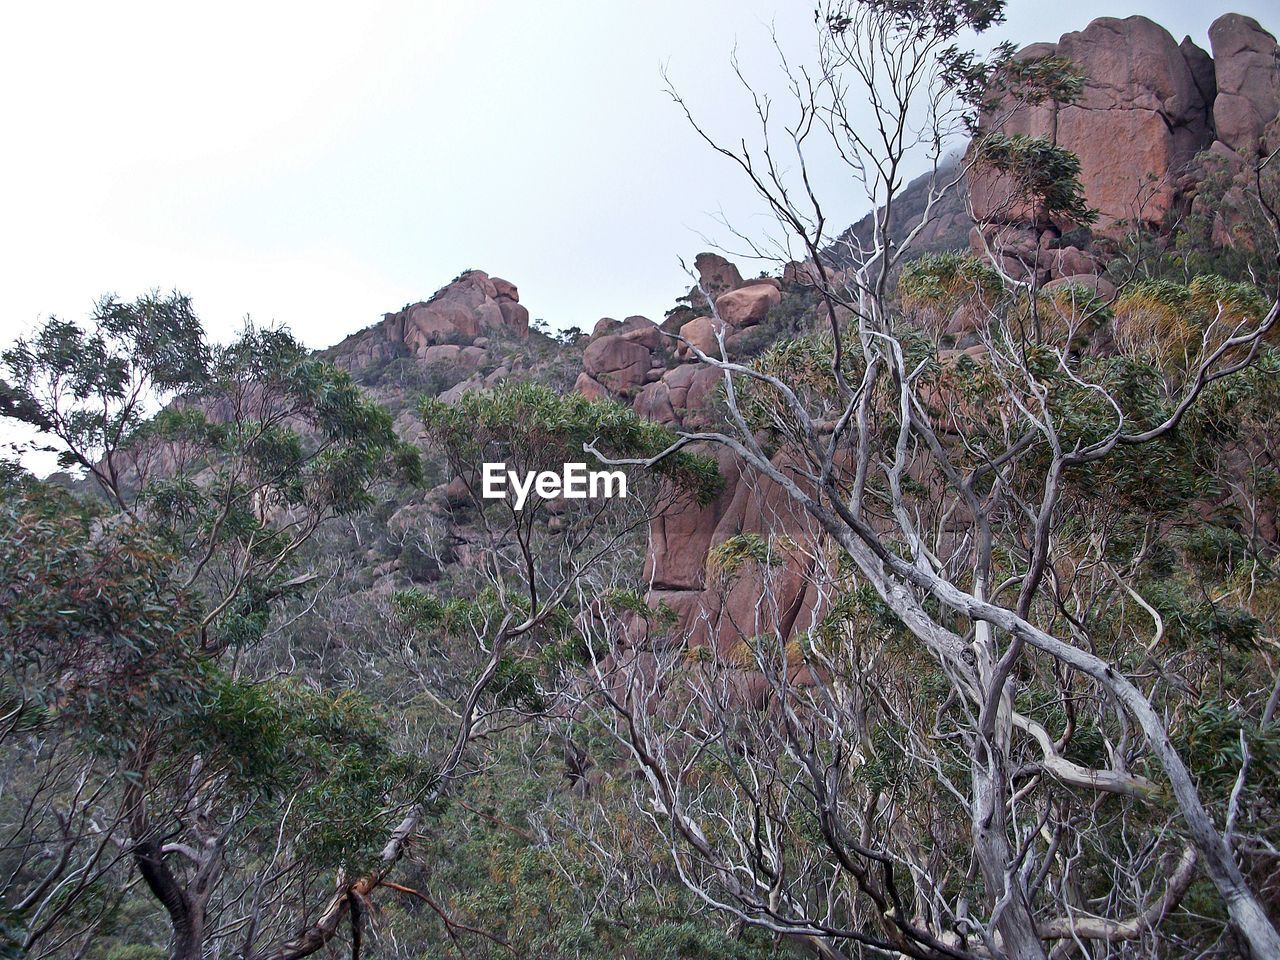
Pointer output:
x,y
318,164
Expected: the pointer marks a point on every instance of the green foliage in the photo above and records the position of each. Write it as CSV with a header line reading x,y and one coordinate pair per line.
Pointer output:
x,y
531,427
135,952
730,555
1215,625
95,631
416,610
331,754
932,18
945,279
859,611
1178,324
699,941
92,388
549,899
1043,173
1037,80
515,685
1211,736
1226,232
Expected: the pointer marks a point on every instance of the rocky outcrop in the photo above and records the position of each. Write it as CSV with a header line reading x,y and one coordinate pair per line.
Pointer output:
x,y
750,303
699,334
1144,111
735,311
1246,68
1154,123
680,398
635,360
621,358
617,363
473,306
716,275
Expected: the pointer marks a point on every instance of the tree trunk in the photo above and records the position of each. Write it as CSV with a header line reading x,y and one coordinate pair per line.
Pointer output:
x,y
1006,898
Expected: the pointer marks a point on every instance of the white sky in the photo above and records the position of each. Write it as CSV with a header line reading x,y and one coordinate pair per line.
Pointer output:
x,y
318,164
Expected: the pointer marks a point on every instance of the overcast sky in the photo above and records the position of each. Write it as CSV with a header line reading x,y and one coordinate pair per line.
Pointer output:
x,y
318,164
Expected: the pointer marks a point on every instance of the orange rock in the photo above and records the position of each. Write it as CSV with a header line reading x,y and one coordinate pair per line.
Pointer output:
x,y
1248,82
617,363
589,388
748,305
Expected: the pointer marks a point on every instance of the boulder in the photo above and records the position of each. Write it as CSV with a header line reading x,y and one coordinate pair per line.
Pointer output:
x,y
442,353
455,393
515,317
1071,261
457,493
701,333
653,402
428,324
1141,118
676,318
463,310
473,356
1248,82
678,542
1202,72
590,388
798,272
617,363
747,306
679,397
716,275
505,289
643,331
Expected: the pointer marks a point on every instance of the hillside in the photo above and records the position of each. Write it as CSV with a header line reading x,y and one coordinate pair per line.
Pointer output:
x,y
940,618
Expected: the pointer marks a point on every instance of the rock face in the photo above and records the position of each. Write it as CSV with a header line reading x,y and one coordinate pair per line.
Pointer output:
x,y
1154,122
1247,76
712,609
617,363
1142,113
472,305
679,398
1145,110
635,360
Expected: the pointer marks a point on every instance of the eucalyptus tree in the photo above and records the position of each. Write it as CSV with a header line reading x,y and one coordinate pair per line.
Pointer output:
x,y
226,792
